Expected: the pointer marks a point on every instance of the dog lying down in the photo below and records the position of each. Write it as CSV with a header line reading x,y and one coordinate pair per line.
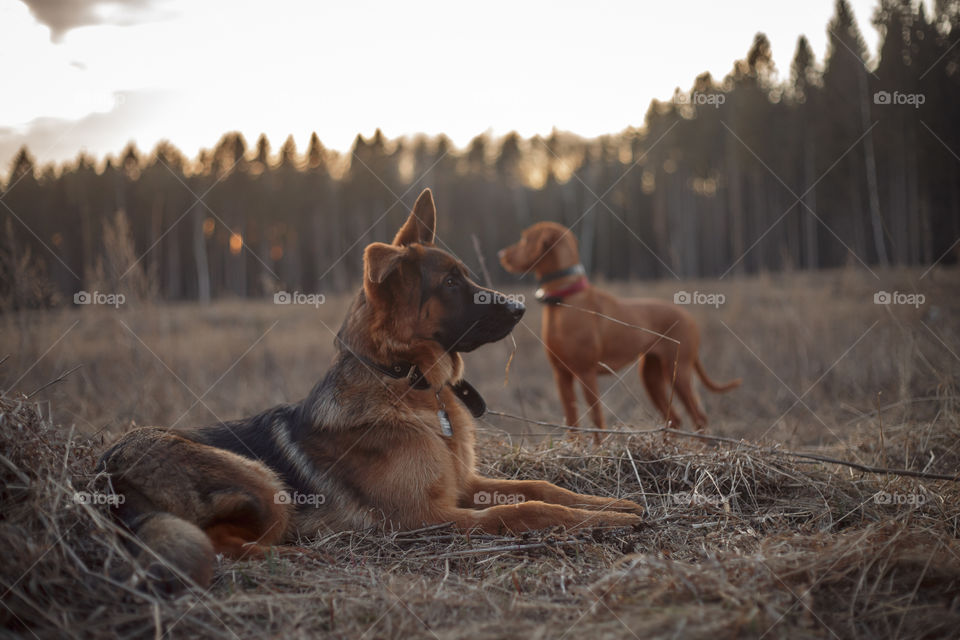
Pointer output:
x,y
386,439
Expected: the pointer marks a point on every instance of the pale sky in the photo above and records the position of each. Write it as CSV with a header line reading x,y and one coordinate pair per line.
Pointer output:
x,y
190,70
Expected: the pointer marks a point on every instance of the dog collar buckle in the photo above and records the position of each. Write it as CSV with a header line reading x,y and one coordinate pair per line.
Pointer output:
x,y
556,297
413,374
542,297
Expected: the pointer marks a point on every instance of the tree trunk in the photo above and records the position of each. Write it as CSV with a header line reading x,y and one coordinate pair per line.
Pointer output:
x,y
200,257
876,222
811,258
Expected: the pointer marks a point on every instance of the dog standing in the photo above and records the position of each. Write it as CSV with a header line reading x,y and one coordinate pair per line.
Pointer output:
x,y
577,342
386,439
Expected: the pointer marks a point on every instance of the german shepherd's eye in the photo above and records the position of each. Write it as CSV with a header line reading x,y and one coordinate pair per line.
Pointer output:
x,y
451,282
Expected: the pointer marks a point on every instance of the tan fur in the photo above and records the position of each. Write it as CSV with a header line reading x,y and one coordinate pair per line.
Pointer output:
x,y
577,342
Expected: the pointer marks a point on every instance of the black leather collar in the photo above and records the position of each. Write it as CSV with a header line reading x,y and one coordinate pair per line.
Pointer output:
x,y
399,370
575,270
470,397
465,392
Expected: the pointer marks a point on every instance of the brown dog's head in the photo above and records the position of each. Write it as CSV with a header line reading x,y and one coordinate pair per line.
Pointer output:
x,y
421,294
543,247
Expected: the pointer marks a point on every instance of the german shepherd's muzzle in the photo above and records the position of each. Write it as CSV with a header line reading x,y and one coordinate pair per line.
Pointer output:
x,y
481,315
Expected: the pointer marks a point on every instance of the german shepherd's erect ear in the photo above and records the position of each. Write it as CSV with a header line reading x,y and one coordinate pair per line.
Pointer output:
x,y
380,259
422,223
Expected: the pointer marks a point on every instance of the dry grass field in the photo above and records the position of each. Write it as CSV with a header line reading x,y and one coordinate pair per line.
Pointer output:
x,y
741,540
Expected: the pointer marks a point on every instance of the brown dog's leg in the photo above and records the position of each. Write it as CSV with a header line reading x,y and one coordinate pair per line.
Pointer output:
x,y
528,516
488,492
655,382
568,397
689,398
592,395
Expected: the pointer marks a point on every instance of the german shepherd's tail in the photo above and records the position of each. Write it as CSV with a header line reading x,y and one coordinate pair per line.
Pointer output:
x,y
710,384
210,501
172,550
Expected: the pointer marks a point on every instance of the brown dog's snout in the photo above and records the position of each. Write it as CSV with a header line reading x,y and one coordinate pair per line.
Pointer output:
x,y
507,255
504,256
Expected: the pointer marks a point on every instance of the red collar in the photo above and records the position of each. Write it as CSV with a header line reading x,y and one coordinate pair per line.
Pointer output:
x,y
553,297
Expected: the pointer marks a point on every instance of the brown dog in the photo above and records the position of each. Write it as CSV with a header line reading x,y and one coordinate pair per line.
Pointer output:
x,y
577,342
385,440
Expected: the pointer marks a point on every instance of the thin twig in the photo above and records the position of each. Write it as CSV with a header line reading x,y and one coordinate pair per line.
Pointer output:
x,y
483,262
52,382
740,443
505,548
489,283
611,319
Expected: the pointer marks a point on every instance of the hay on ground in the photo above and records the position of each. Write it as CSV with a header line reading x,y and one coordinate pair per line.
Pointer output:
x,y
736,541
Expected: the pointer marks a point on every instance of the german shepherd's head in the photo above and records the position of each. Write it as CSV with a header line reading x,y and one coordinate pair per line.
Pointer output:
x,y
418,302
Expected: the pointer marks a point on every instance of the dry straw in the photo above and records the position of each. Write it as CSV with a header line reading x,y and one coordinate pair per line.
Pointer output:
x,y
737,541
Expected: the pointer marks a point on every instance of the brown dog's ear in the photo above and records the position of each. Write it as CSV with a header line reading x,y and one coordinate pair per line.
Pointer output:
x,y
380,260
546,241
421,225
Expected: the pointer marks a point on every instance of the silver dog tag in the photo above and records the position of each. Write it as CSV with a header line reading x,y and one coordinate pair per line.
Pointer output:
x,y
445,427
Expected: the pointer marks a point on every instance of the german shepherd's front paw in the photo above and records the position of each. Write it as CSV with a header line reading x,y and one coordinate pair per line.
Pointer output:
x,y
620,504
616,519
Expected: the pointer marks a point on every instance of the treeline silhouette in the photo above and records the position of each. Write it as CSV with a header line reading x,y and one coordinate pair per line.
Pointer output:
x,y
836,164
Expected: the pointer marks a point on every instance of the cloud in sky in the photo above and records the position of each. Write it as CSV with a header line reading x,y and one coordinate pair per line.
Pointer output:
x,y
139,115
63,15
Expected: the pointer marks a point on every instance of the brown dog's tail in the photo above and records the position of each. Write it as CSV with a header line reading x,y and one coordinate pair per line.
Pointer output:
x,y
710,384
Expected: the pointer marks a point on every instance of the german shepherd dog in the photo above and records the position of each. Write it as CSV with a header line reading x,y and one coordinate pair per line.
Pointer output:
x,y
385,440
